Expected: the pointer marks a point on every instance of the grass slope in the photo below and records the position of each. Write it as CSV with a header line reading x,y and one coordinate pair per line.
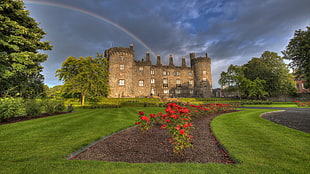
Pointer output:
x,y
42,145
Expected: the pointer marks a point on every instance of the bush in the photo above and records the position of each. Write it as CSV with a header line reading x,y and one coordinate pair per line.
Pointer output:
x,y
54,106
33,108
11,107
70,108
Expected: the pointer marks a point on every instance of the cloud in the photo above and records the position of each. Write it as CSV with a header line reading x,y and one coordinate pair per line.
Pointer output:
x,y
232,32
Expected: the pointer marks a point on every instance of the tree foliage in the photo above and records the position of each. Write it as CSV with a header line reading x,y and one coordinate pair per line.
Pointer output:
x,y
259,77
298,51
86,76
20,40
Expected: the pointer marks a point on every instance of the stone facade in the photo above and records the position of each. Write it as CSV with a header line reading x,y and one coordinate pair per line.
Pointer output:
x,y
131,78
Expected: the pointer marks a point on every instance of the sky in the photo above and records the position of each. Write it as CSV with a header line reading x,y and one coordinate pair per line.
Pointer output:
x,y
230,31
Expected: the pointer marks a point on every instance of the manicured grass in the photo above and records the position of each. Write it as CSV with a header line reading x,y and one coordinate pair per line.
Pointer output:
x,y
42,145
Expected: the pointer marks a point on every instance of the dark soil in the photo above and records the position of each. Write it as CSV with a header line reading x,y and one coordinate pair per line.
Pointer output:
x,y
133,146
25,118
298,118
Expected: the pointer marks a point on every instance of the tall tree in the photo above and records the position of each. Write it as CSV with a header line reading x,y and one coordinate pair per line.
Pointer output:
x,y
86,76
298,51
20,40
271,68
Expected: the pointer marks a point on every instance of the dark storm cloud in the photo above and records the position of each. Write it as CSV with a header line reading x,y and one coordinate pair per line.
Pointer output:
x,y
232,32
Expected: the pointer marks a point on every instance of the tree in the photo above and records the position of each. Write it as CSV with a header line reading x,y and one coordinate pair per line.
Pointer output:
x,y
19,44
298,52
271,68
259,77
86,76
234,79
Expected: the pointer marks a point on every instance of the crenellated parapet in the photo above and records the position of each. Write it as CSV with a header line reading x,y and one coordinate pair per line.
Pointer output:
x,y
197,60
117,50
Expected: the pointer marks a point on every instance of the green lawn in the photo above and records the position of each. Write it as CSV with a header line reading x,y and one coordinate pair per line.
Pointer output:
x,y
42,145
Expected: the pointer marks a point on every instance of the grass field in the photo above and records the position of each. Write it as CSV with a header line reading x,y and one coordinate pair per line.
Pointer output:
x,y
42,145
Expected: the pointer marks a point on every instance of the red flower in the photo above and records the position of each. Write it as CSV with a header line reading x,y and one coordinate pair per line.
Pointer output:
x,y
163,126
173,116
138,123
181,131
141,113
178,127
145,118
168,121
153,115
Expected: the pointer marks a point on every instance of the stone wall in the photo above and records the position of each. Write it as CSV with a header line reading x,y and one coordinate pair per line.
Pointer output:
x,y
132,78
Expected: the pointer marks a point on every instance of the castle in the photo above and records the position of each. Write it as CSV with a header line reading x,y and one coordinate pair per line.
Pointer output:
x,y
131,78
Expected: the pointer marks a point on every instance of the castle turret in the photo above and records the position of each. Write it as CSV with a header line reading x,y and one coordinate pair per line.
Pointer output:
x,y
121,62
202,73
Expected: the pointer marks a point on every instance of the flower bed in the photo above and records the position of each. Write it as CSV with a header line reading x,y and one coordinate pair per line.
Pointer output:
x,y
177,120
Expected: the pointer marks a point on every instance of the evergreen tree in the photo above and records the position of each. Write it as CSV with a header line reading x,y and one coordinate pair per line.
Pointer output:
x,y
20,61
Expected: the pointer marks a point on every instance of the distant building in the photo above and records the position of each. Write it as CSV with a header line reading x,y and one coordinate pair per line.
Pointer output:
x,y
131,78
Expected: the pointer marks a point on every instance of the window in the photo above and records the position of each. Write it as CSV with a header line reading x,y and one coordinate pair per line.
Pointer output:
x,y
121,58
204,72
190,73
191,91
204,65
152,91
204,79
121,82
166,91
165,82
152,81
152,72
178,83
191,82
121,67
141,83
178,91
141,69
177,73
164,73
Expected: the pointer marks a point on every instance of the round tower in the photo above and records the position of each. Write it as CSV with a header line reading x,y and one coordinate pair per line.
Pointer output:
x,y
121,61
201,67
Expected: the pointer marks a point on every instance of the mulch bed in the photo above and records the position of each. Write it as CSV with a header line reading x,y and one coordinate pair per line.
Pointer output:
x,y
133,146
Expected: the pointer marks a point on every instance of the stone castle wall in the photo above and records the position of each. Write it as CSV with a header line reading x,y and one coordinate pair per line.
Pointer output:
x,y
131,78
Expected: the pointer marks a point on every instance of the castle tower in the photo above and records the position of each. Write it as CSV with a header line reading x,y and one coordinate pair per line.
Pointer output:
x,y
202,74
121,62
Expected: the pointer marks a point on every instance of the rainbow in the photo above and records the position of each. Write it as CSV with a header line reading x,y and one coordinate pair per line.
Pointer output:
x,y
101,18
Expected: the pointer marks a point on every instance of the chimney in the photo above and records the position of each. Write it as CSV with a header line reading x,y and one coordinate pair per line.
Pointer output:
x,y
192,55
183,62
158,60
147,56
131,46
206,55
171,60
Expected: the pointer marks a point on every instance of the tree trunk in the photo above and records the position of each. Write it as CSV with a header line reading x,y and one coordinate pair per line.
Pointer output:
x,y
82,99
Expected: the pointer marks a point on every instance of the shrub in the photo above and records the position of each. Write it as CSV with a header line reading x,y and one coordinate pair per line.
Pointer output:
x,y
33,108
70,108
11,107
54,106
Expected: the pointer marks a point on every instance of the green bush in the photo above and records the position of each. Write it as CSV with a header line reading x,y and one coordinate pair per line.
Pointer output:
x,y
11,107
70,108
33,108
54,106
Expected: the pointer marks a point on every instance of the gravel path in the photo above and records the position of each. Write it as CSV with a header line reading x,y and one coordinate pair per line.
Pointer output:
x,y
296,118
